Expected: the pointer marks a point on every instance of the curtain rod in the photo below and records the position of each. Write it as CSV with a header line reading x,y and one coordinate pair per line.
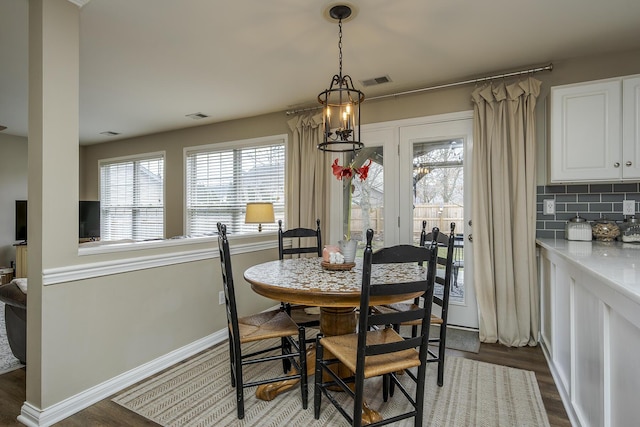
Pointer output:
x,y
460,83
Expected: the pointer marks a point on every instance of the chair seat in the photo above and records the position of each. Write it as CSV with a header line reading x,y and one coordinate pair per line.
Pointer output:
x,y
390,308
270,324
344,348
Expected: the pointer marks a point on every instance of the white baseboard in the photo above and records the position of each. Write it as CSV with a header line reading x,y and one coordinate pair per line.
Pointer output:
x,y
36,417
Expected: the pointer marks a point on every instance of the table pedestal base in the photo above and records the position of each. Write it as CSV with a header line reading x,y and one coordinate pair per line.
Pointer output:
x,y
270,391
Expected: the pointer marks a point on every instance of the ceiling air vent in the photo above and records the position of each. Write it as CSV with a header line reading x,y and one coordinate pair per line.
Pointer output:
x,y
376,81
110,133
197,116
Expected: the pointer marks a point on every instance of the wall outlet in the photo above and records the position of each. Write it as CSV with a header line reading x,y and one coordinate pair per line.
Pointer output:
x,y
549,206
628,207
221,297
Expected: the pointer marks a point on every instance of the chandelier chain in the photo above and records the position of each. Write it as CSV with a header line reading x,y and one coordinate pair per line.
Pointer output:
x,y
340,45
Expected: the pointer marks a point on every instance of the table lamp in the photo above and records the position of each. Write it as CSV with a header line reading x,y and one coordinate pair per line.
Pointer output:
x,y
259,213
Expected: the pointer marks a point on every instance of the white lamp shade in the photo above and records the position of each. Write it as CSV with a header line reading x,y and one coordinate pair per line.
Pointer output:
x,y
259,213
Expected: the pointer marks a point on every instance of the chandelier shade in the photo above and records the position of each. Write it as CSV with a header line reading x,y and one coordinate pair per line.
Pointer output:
x,y
341,103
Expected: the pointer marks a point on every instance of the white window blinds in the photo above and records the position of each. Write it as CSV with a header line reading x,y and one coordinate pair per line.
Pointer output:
x,y
132,198
221,182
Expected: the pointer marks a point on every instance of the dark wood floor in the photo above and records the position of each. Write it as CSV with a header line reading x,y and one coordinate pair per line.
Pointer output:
x,y
107,413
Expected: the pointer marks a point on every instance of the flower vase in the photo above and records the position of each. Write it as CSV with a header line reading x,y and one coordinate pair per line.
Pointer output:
x,y
348,249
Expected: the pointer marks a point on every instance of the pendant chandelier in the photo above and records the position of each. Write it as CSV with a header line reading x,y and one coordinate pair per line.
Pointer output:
x,y
341,103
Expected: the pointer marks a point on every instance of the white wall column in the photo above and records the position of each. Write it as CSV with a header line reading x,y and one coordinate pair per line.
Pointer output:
x,y
53,171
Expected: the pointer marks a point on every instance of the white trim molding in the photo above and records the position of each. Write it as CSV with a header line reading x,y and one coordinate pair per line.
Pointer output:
x,y
72,273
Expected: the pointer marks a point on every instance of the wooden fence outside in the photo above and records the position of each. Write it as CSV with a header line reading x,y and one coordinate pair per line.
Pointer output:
x,y
440,216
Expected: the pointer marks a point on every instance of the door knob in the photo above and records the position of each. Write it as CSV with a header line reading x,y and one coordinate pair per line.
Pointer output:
x,y
616,165
470,237
469,223
628,163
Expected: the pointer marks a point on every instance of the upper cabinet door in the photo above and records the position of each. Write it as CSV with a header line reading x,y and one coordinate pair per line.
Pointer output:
x,y
586,126
631,127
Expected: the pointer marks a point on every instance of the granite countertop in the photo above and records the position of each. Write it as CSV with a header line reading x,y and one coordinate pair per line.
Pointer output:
x,y
615,263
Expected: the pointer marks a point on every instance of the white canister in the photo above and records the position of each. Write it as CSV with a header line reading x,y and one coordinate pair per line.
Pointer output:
x,y
578,229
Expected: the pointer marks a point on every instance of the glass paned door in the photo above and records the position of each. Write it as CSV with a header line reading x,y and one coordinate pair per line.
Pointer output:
x,y
438,188
435,158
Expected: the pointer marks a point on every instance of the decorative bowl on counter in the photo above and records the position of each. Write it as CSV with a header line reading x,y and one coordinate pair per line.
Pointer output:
x,y
605,230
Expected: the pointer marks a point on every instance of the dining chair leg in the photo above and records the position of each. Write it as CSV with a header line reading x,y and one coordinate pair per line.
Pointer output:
x,y
302,342
358,399
318,378
239,388
385,387
420,394
232,357
441,353
286,349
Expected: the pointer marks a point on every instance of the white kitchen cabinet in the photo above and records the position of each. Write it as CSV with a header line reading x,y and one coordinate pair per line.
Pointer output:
x,y
594,131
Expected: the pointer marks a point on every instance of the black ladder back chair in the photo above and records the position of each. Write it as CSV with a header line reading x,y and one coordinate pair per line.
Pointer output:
x,y
299,234
443,278
377,349
275,324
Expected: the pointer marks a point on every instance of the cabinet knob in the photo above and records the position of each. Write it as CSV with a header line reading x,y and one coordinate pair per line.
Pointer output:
x,y
616,165
628,163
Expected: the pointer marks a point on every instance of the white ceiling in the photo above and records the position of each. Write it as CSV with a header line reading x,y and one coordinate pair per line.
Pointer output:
x,y
145,64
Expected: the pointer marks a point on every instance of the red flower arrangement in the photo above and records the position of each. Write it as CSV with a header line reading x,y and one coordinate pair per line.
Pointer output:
x,y
348,172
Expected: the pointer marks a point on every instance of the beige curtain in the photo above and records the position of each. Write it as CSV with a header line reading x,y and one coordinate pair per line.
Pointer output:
x,y
504,212
308,172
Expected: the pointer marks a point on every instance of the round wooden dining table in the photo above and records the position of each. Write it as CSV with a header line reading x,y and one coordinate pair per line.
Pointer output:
x,y
337,293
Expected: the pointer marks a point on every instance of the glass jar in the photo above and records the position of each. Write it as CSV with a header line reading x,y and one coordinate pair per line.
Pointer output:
x,y
577,229
605,230
630,230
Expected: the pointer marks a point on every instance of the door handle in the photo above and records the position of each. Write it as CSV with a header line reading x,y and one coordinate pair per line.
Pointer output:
x,y
470,237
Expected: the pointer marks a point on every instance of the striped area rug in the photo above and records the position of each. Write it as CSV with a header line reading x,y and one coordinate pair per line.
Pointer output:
x,y
198,393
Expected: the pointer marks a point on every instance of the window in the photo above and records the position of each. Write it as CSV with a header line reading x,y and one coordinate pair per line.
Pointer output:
x,y
222,178
132,198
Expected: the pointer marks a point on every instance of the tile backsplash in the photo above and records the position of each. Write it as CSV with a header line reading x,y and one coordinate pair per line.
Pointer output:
x,y
591,201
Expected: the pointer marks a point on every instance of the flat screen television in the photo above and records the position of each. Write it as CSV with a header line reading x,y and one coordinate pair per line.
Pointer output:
x,y
21,220
89,219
